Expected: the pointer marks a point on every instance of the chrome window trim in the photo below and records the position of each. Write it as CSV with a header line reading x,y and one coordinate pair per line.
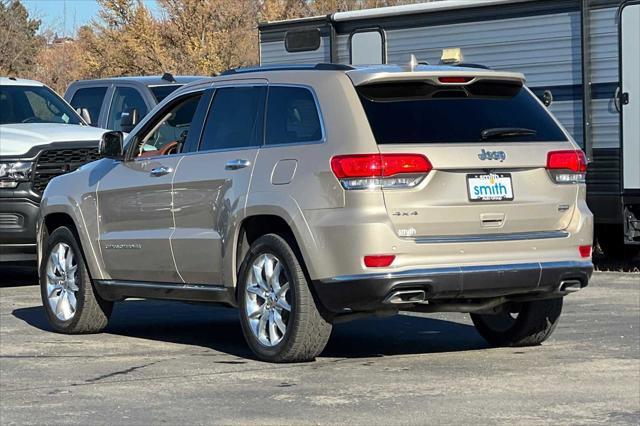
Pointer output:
x,y
515,236
208,151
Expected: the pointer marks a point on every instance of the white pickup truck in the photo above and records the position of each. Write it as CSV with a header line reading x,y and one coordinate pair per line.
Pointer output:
x,y
41,137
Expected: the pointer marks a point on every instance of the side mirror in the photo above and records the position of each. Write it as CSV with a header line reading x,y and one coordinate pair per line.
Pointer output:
x,y
111,145
547,98
129,119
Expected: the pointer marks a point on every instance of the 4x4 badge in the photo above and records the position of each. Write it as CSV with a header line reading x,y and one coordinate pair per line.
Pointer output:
x,y
492,155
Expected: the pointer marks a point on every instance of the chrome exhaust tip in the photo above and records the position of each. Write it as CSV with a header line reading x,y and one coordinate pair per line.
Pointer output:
x,y
406,296
570,286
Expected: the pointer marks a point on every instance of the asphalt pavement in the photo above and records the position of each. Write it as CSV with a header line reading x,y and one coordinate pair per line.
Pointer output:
x,y
177,363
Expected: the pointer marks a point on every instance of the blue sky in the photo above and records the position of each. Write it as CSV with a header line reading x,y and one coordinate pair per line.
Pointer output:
x,y
65,16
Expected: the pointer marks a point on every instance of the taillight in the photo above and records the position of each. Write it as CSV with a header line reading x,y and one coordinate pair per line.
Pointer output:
x,y
379,261
371,171
585,251
454,79
567,166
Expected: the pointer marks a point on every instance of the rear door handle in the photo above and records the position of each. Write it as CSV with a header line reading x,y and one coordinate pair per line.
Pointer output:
x,y
237,164
161,171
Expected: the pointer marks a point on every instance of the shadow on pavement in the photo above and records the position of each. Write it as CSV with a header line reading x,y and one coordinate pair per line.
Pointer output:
x,y
218,328
608,264
18,275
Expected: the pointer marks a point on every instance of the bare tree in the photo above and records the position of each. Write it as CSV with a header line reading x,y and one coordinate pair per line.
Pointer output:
x,y
19,42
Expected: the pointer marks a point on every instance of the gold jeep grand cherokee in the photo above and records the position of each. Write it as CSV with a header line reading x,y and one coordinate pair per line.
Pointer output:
x,y
304,195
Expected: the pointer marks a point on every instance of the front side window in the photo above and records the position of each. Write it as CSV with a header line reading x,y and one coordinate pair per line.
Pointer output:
x,y
169,132
485,111
127,109
292,116
34,104
235,119
89,99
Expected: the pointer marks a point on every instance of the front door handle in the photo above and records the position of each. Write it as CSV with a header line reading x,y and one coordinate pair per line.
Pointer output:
x,y
161,171
237,164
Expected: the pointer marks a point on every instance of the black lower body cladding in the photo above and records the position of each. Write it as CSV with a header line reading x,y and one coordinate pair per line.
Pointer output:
x,y
370,292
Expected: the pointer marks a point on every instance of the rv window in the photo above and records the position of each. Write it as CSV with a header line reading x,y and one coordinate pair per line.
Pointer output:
x,y
367,48
302,40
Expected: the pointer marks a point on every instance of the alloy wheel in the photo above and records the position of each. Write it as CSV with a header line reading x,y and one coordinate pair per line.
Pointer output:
x,y
61,280
267,297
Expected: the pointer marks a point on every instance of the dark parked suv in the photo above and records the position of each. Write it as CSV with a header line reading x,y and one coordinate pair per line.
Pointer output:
x,y
120,103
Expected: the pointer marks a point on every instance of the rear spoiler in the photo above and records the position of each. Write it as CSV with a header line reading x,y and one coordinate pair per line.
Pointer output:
x,y
361,77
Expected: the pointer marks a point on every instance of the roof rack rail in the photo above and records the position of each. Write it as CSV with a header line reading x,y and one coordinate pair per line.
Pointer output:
x,y
300,67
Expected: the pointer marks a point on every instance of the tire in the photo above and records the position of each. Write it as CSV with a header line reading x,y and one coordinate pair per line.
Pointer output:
x,y
306,332
611,242
91,313
534,323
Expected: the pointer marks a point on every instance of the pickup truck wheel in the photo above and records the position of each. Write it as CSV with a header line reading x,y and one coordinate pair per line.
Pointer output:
x,y
279,317
68,296
521,324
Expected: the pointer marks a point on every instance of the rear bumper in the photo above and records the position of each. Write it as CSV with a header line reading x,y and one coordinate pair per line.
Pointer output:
x,y
371,292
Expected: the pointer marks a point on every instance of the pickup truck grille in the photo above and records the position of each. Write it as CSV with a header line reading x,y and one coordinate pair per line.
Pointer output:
x,y
56,162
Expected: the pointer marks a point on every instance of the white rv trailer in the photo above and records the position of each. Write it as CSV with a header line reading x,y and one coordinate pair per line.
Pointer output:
x,y
557,44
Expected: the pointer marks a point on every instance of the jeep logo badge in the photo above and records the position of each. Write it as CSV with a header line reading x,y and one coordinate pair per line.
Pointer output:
x,y
492,155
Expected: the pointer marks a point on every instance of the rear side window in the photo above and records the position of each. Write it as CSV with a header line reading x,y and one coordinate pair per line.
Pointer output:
x,y
486,111
161,92
90,99
235,118
292,116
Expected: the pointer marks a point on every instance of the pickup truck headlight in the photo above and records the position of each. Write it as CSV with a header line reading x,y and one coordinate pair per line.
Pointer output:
x,y
14,172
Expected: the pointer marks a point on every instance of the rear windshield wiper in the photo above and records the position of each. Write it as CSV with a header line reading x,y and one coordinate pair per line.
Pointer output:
x,y
506,132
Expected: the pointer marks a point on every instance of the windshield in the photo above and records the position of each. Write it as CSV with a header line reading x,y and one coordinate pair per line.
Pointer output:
x,y
161,92
422,112
34,104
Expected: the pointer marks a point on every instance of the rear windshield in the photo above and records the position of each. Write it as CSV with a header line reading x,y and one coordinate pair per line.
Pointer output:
x,y
161,92
422,112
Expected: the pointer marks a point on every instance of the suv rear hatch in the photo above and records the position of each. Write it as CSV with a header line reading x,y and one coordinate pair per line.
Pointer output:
x,y
498,164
